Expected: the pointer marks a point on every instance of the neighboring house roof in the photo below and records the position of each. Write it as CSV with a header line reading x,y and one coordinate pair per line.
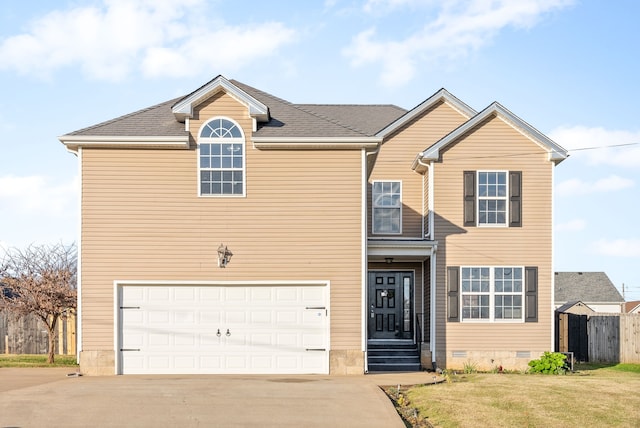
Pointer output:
x,y
556,152
588,287
576,307
632,307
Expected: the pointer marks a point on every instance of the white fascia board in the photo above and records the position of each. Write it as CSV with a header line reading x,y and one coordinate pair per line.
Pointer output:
x,y
184,108
382,248
72,142
441,95
316,143
556,152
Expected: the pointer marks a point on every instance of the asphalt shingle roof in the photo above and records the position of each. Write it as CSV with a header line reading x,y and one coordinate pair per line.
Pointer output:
x,y
587,287
157,121
286,119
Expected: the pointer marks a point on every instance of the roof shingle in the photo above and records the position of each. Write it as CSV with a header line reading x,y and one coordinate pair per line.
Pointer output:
x,y
587,287
286,120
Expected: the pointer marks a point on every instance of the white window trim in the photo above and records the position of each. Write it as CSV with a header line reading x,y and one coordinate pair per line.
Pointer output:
x,y
492,293
478,198
373,232
242,140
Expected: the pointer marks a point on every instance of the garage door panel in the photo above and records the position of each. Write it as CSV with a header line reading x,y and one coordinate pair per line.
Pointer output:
x,y
270,329
158,294
185,340
159,317
185,363
183,294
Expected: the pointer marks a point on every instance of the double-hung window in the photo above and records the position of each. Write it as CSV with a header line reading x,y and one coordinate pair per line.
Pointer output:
x,y
492,198
387,207
221,158
492,293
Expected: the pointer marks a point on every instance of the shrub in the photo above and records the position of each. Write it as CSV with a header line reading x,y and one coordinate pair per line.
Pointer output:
x,y
549,363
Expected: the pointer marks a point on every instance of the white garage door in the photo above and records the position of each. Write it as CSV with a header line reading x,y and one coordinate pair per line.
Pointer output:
x,y
185,329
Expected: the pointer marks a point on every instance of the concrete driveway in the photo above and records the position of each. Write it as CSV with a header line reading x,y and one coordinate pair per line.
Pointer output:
x,y
48,397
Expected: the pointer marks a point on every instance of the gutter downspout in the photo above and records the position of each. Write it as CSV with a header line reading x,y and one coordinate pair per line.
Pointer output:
x,y
78,153
430,200
430,235
365,255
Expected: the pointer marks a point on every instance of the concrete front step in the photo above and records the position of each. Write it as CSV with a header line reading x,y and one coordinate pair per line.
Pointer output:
x,y
407,367
393,352
393,357
385,359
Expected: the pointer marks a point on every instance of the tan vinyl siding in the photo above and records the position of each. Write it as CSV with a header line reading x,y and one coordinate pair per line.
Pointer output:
x,y
495,146
142,219
398,153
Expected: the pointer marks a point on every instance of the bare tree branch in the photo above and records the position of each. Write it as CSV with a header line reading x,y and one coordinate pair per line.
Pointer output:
x,y
40,280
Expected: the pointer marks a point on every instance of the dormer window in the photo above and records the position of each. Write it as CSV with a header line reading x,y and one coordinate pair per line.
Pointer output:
x,y
221,158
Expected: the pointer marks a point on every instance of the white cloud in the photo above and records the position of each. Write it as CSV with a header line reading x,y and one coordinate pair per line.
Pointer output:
x,y
617,247
35,195
376,5
249,44
35,209
461,26
576,186
599,141
158,37
574,225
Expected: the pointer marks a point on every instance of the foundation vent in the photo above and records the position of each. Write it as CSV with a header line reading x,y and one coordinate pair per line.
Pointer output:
x,y
523,354
459,354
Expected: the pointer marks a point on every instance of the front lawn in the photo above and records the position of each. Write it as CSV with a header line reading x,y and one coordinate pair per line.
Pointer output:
x,y
591,396
28,360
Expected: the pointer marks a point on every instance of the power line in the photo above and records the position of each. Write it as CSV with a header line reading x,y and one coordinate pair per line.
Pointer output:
x,y
603,147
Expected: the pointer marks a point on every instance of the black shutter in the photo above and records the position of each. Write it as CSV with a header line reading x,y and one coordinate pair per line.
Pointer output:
x,y
531,294
469,198
515,199
453,292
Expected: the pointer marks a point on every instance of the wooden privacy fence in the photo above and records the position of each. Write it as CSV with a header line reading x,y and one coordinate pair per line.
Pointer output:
x,y
608,338
27,335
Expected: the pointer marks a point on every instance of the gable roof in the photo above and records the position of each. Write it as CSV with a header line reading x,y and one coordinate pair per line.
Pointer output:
x,y
632,307
184,108
575,307
298,121
588,287
278,122
556,152
441,96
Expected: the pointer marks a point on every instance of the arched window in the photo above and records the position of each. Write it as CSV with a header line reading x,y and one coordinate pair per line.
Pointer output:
x,y
221,158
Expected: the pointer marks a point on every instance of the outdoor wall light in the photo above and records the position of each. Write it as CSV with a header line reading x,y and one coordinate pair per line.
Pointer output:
x,y
224,255
388,260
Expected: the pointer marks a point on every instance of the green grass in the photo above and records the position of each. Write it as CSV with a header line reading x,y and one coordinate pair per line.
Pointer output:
x,y
594,395
11,360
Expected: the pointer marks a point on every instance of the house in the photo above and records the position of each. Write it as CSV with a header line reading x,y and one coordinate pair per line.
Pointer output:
x,y
632,307
576,308
231,231
593,289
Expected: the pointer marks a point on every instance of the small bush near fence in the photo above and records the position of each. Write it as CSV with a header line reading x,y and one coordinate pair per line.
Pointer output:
x,y
549,363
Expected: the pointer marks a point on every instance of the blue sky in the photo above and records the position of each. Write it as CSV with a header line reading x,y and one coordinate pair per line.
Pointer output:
x,y
569,68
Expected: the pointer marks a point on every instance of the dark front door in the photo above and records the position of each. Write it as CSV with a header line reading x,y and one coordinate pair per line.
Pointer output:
x,y
390,305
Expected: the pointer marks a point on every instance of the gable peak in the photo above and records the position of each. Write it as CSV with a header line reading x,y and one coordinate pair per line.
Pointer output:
x,y
184,107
